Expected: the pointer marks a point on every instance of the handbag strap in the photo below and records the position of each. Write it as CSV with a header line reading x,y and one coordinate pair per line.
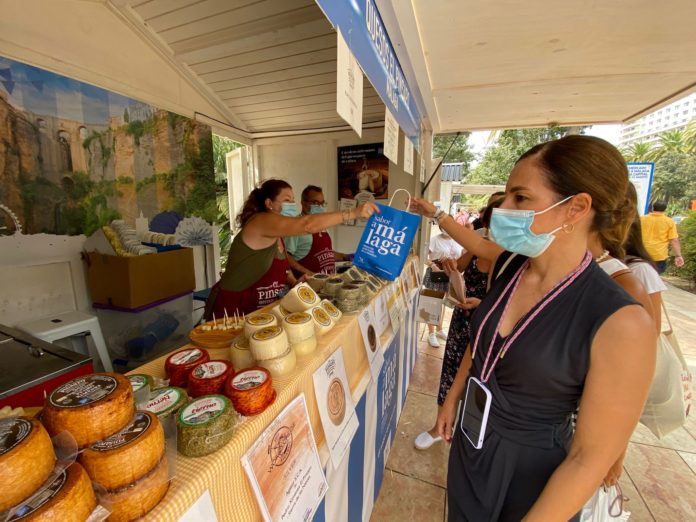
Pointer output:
x,y
669,322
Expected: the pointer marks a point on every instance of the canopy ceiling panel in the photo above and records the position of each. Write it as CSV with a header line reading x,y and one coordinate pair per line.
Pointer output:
x,y
271,62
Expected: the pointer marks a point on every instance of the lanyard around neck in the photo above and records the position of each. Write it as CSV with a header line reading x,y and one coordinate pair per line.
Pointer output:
x,y
516,332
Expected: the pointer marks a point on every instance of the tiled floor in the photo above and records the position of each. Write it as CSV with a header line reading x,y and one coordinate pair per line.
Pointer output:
x,y
659,476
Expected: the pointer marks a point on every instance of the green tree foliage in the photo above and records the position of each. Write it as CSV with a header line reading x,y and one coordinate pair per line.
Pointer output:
x,y
675,179
221,146
687,230
498,160
638,152
459,153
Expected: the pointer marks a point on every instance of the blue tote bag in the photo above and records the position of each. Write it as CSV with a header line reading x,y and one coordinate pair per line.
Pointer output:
x,y
386,241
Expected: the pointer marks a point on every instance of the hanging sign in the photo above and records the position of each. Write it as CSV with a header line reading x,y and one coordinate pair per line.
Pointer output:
x,y
641,175
408,156
349,85
391,137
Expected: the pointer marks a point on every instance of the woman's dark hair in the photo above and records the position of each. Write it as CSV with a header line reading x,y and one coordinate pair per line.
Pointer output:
x,y
576,164
488,211
634,246
256,202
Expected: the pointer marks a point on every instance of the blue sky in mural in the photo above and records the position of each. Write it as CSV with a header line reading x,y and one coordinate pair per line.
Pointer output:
x,y
48,94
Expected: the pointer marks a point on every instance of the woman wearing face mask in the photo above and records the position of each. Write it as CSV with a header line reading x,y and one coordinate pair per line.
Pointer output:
x,y
553,333
257,265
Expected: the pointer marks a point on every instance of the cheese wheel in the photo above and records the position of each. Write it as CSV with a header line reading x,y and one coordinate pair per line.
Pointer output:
x,y
26,459
205,425
279,312
269,343
334,313
240,354
332,285
280,366
322,320
126,456
317,282
251,391
91,407
298,327
166,401
137,499
67,498
257,322
300,298
209,378
306,347
142,384
180,364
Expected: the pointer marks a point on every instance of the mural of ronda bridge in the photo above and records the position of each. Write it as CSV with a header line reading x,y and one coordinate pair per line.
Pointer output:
x,y
74,156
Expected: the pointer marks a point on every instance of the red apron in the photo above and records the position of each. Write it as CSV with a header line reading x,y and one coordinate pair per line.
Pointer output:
x,y
321,257
261,293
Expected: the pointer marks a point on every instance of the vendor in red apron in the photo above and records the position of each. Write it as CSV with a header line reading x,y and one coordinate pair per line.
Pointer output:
x,y
313,252
257,267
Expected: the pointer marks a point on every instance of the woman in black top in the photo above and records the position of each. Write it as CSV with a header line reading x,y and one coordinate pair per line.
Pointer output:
x,y
570,338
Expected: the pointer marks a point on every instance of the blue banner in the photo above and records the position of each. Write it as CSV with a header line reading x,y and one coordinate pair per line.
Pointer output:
x,y
362,27
641,175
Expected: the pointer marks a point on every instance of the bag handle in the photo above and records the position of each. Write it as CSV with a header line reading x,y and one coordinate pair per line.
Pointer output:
x,y
669,322
408,205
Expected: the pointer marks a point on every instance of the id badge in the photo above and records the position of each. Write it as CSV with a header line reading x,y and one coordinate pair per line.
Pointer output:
x,y
477,405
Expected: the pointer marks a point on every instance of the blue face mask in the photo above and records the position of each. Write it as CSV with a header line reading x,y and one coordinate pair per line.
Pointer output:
x,y
289,209
511,229
316,209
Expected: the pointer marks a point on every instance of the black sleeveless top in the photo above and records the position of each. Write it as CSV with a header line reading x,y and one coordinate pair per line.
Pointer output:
x,y
536,389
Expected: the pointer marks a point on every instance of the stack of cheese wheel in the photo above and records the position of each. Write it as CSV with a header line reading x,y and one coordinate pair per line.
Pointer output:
x,y
26,459
332,285
322,320
69,496
179,365
127,465
271,349
91,407
365,292
241,355
330,309
279,312
257,322
209,378
166,401
300,298
142,384
317,282
205,425
251,391
299,328
349,298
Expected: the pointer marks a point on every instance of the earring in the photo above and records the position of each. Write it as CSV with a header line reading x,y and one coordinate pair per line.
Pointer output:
x,y
568,227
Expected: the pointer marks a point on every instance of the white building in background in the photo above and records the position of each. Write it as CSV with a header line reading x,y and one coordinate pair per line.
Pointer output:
x,y
673,116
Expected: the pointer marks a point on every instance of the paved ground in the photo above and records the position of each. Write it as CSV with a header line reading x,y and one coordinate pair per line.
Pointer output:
x,y
659,475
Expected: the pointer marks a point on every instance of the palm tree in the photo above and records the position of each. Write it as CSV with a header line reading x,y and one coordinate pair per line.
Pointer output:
x,y
690,136
639,151
669,141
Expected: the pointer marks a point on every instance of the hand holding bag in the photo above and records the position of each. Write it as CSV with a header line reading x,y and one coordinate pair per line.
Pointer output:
x,y
606,505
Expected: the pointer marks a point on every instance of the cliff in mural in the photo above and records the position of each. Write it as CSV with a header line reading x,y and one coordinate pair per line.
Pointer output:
x,y
118,158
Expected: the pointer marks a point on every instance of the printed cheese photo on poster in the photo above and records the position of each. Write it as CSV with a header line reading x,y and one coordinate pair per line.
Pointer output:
x,y
363,172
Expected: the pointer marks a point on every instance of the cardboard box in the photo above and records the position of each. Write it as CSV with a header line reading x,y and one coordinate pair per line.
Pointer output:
x,y
430,306
132,282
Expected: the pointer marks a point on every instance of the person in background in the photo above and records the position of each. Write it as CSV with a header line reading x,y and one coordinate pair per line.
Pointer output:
x,y
462,216
478,222
313,252
441,247
554,333
659,232
257,265
475,279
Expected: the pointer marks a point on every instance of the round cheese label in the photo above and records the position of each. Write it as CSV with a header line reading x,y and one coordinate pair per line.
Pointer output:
x,y
82,391
141,422
336,401
13,430
298,318
248,379
306,294
260,319
39,500
209,370
138,381
164,400
267,333
331,309
186,356
321,317
241,344
203,410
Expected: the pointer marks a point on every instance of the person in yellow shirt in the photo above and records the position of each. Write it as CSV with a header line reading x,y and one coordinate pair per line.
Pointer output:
x,y
659,231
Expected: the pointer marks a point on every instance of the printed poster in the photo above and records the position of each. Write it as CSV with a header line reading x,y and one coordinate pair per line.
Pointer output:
x,y
394,307
371,341
349,86
641,175
408,155
381,312
284,469
391,136
363,169
348,204
335,404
